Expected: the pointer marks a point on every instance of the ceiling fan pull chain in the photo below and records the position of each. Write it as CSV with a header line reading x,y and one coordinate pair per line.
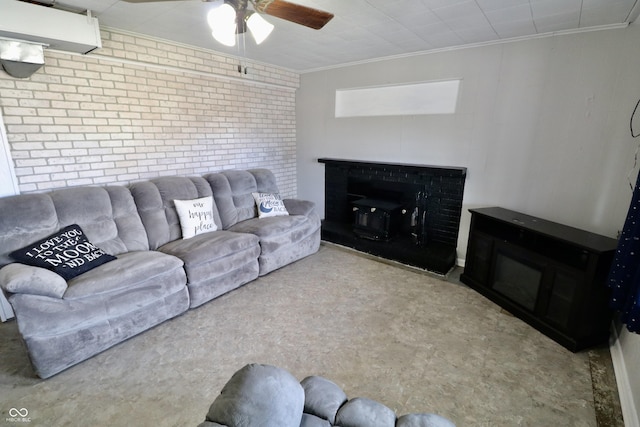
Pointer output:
x,y
244,51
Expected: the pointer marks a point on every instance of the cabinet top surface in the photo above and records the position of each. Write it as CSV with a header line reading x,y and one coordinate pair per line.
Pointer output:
x,y
347,162
576,236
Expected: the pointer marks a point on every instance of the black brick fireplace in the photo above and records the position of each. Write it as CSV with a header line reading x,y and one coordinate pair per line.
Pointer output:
x,y
403,212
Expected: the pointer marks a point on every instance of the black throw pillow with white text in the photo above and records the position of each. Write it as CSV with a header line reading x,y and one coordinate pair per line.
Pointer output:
x,y
67,253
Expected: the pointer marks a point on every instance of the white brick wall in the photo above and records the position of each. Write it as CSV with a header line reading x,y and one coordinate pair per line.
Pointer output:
x,y
140,108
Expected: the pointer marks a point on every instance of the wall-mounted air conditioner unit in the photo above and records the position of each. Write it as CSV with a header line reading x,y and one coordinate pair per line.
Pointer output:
x,y
54,28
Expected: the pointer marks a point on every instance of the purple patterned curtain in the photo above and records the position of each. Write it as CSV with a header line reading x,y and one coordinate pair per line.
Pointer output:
x,y
624,276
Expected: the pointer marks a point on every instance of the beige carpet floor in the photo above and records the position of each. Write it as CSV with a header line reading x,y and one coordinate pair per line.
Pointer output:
x,y
405,338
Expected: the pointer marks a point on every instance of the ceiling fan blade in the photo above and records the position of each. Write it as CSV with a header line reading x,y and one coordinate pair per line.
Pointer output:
x,y
303,15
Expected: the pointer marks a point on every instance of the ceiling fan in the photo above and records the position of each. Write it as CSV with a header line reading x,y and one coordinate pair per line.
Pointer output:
x,y
303,15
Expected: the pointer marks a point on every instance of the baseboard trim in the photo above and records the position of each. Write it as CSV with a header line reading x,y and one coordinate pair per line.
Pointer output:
x,y
629,411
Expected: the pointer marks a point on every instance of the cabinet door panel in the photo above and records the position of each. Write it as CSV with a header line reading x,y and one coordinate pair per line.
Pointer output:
x,y
561,298
479,262
517,281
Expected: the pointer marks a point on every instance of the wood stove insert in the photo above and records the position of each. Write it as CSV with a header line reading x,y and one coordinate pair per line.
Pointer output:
x,y
376,219
416,210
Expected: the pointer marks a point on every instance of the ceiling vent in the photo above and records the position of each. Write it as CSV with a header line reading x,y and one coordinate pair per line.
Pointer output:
x,y
53,28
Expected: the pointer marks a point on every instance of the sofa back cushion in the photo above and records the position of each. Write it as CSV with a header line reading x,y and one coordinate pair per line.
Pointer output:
x,y
259,395
232,191
155,201
265,180
107,215
25,219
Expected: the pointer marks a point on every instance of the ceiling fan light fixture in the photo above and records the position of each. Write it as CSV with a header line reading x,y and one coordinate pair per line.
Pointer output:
x,y
259,27
227,38
222,21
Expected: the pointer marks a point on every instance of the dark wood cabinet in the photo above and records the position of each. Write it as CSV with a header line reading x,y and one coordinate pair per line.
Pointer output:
x,y
549,275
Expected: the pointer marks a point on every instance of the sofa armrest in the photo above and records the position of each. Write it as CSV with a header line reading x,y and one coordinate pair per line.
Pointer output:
x,y
299,207
19,278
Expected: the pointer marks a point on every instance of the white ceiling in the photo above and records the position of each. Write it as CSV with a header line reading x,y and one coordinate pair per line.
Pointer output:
x,y
366,29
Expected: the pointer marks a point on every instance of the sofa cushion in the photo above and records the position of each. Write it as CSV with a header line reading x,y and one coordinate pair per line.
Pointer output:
x,y
128,224
18,278
309,420
265,180
155,201
108,216
259,395
322,397
277,232
66,252
23,219
232,193
363,412
130,270
213,255
196,216
299,207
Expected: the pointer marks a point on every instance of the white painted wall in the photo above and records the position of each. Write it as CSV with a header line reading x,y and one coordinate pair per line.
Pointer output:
x,y
542,126
8,180
8,187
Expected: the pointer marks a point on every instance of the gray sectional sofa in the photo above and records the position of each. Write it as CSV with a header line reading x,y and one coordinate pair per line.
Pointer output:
x,y
156,274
